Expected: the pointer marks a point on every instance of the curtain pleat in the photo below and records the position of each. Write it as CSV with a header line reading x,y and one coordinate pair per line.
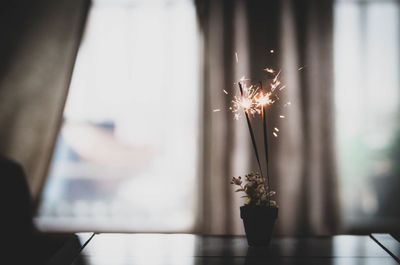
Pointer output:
x,y
225,153
39,46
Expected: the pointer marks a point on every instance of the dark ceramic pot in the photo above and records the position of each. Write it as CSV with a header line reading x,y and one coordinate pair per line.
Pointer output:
x,y
258,223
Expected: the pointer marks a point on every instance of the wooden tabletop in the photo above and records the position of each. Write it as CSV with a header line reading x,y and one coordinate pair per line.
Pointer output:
x,y
127,249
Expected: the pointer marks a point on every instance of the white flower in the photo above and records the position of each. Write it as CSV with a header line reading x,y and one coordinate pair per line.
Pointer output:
x,y
264,197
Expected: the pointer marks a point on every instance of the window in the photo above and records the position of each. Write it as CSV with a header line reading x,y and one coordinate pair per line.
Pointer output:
x,y
126,155
367,75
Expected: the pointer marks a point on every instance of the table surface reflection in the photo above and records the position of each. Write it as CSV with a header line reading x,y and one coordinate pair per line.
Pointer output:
x,y
189,249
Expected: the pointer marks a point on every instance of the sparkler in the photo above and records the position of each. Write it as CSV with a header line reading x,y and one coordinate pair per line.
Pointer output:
x,y
266,142
246,107
247,101
264,102
254,100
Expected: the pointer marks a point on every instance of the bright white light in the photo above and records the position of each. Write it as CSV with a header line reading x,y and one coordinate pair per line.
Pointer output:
x,y
129,144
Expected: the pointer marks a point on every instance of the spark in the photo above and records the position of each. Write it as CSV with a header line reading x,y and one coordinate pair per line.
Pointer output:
x,y
287,104
242,79
254,98
226,92
269,70
281,116
300,68
248,102
237,58
216,110
276,77
271,51
274,133
276,129
263,100
275,82
281,88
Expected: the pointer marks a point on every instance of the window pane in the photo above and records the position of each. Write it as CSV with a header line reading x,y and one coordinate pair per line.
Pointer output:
x,y
367,107
126,155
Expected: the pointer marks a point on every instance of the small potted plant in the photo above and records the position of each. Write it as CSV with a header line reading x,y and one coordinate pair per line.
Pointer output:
x,y
260,212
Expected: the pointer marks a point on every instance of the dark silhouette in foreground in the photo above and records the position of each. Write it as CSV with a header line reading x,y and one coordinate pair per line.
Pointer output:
x,y
22,242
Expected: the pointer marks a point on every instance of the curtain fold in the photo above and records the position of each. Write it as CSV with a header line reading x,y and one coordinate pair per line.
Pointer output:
x,y
302,158
309,186
41,39
224,153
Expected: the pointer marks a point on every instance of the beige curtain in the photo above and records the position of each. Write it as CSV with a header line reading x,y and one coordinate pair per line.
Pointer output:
x,y
39,44
302,158
306,158
226,149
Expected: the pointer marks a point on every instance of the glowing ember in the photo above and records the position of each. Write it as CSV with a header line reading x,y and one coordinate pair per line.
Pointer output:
x,y
264,100
254,97
247,102
269,70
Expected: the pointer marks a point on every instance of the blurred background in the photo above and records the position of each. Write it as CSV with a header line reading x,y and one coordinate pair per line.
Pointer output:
x,y
110,107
